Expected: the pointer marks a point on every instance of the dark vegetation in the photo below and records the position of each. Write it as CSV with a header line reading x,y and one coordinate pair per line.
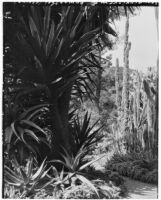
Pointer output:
x,y
135,166
60,111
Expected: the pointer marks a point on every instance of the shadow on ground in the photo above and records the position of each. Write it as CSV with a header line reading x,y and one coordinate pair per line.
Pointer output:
x,y
140,190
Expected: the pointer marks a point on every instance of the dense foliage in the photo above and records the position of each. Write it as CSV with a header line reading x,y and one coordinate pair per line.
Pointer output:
x,y
136,166
51,53
59,102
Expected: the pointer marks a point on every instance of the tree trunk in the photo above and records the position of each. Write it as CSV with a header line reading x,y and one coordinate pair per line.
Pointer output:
x,y
61,136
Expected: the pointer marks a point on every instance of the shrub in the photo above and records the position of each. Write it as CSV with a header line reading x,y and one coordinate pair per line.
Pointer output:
x,y
106,191
133,166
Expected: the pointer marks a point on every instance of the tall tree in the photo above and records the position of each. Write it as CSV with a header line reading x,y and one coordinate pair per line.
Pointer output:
x,y
51,47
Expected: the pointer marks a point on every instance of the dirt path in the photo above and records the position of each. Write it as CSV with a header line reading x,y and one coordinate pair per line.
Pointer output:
x,y
135,189
140,190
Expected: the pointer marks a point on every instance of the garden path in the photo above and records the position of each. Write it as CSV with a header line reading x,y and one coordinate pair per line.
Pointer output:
x,y
135,189
140,190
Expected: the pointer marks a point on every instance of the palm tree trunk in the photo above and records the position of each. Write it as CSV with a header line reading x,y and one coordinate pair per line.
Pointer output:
x,y
61,136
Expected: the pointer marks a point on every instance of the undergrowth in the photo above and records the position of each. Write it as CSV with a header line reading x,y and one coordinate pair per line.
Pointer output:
x,y
135,166
46,183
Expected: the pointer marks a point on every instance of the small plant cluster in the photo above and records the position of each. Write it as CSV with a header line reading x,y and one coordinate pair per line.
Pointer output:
x,y
73,181
135,166
108,191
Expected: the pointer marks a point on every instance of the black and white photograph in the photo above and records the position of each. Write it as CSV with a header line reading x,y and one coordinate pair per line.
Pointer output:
x,y
80,100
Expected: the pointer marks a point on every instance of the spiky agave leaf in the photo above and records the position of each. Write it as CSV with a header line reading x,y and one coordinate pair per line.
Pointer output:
x,y
38,174
32,124
89,163
87,182
84,133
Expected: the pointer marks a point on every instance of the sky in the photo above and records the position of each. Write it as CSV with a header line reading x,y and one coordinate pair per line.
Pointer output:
x,y
143,38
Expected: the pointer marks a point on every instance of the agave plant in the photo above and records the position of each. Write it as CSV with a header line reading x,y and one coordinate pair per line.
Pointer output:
x,y
75,166
23,130
25,179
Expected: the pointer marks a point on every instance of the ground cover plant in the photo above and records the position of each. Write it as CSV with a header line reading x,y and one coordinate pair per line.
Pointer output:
x,y
135,166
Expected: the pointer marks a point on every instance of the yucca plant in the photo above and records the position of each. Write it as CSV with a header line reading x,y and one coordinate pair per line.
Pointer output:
x,y
25,179
51,47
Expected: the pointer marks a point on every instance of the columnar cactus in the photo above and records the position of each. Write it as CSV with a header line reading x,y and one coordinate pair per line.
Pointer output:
x,y
152,116
117,85
99,80
138,96
125,92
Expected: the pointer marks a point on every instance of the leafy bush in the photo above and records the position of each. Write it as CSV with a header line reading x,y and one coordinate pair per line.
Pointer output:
x,y
135,167
105,190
